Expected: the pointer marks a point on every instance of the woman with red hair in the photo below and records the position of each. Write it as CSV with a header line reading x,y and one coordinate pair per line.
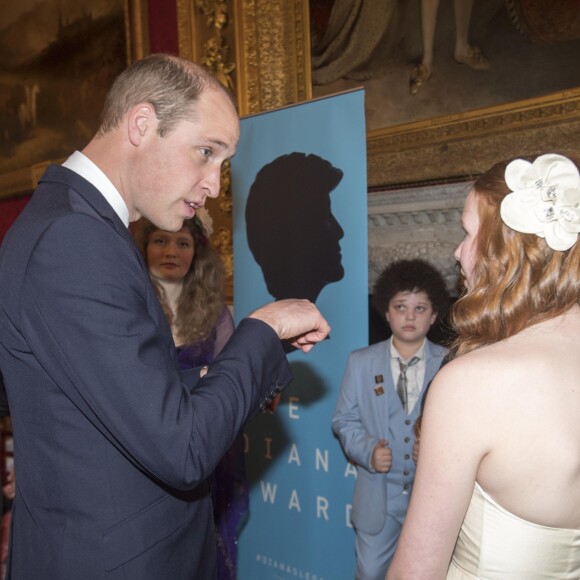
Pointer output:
x,y
497,490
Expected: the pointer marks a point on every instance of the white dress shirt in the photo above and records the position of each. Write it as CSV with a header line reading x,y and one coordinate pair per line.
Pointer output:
x,y
415,373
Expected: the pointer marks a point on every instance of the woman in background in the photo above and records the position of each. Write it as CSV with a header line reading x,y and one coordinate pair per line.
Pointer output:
x,y
188,276
497,489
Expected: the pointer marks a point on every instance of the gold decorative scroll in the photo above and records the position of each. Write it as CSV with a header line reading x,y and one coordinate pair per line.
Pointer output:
x,y
273,54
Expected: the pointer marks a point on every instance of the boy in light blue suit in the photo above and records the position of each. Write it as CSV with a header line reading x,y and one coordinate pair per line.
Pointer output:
x,y
379,402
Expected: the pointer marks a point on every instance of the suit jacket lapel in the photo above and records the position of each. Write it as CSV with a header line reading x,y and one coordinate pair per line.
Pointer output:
x,y
380,366
95,199
89,194
432,364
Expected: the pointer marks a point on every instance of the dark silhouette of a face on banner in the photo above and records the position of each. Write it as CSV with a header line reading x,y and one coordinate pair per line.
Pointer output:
x,y
291,230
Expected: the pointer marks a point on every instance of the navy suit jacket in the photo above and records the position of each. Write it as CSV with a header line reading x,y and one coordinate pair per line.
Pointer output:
x,y
113,443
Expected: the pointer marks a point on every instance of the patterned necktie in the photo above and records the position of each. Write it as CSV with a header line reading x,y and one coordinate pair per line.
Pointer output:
x,y
402,382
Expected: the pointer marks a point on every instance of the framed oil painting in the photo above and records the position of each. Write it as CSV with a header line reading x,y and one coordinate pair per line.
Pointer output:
x,y
519,94
58,59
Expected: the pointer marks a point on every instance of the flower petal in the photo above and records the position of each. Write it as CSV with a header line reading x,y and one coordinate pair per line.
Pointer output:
x,y
569,219
569,198
520,216
519,174
557,238
557,170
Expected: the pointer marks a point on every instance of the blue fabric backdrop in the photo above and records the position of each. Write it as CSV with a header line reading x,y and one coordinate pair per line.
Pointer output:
x,y
301,484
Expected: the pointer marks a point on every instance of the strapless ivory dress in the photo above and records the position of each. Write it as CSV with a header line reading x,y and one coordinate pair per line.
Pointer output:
x,y
494,544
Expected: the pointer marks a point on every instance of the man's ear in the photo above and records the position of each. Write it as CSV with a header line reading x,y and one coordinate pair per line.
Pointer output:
x,y
142,121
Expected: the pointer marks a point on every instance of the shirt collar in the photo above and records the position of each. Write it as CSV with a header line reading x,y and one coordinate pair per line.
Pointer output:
x,y
81,164
395,354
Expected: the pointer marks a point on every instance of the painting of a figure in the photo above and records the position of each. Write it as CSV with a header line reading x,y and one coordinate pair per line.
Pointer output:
x,y
420,59
58,58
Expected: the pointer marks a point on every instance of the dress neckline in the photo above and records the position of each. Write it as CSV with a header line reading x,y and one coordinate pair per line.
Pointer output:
x,y
492,501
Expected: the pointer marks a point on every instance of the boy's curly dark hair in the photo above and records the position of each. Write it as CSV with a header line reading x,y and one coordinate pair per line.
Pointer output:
x,y
411,276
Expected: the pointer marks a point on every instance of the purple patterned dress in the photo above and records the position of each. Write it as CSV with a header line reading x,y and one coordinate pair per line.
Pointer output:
x,y
229,485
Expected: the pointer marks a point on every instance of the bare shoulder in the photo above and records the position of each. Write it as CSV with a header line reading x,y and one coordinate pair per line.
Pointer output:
x,y
529,358
472,380
469,369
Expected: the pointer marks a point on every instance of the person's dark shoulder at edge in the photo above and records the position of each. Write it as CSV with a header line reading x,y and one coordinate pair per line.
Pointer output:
x,y
4,410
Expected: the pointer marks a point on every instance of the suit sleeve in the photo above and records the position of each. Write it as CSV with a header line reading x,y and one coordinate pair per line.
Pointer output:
x,y
86,314
224,329
348,422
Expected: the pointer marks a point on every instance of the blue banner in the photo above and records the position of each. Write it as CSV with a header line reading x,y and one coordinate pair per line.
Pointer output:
x,y
300,230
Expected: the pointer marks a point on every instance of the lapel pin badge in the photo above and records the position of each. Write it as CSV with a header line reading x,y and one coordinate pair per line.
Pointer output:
x,y
379,387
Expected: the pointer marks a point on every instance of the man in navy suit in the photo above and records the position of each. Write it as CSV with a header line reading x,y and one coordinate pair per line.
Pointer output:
x,y
378,405
113,443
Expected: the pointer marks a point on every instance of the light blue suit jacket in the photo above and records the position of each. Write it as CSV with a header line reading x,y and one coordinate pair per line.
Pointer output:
x,y
362,418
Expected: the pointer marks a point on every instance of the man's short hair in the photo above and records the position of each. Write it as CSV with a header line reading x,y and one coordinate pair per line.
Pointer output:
x,y
170,84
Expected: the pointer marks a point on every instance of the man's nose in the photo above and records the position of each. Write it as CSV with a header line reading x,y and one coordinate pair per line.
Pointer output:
x,y
212,182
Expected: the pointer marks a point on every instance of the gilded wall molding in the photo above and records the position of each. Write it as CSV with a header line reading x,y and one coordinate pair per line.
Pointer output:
x,y
136,27
273,54
261,46
186,30
469,143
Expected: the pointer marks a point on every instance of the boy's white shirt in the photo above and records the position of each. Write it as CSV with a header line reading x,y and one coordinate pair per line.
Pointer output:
x,y
415,373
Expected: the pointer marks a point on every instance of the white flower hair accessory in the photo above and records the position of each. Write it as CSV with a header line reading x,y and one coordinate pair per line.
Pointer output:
x,y
544,199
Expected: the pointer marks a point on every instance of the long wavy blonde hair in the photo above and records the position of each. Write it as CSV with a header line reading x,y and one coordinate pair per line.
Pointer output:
x,y
518,280
202,298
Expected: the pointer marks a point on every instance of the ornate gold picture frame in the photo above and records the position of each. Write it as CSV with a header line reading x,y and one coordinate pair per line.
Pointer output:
x,y
467,144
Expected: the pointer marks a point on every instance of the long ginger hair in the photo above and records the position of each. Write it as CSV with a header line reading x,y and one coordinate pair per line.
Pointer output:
x,y
518,280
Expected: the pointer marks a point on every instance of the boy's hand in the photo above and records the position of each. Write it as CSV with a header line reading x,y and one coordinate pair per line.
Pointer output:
x,y
416,451
382,458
